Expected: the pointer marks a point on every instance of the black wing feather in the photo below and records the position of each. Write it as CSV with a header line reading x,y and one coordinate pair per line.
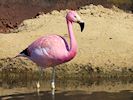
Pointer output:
x,y
26,52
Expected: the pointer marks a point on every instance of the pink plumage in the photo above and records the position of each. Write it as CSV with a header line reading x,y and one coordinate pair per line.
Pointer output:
x,y
49,51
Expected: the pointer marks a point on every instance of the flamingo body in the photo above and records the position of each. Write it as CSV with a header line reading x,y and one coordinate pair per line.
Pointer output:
x,y
49,51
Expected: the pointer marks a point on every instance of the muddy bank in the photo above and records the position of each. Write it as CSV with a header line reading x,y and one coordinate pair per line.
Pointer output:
x,y
16,68
13,12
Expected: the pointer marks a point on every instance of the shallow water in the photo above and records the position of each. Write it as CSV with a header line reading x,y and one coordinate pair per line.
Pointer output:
x,y
74,95
68,90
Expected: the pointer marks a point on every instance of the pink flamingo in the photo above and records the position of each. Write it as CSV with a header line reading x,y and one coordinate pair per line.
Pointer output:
x,y
53,50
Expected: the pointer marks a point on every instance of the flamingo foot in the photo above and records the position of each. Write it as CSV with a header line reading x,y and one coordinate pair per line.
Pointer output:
x,y
53,93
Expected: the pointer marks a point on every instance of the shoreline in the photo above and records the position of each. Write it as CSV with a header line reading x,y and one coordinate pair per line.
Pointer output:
x,y
26,87
25,68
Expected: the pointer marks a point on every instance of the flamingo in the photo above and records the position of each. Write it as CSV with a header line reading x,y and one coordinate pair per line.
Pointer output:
x,y
52,50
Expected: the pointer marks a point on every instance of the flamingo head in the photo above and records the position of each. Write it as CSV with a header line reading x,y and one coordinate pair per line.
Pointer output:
x,y
72,16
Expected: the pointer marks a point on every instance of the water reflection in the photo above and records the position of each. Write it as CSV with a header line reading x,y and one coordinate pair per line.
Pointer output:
x,y
72,95
68,90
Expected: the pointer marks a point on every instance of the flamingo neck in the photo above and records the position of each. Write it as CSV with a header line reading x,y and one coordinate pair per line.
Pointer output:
x,y
73,44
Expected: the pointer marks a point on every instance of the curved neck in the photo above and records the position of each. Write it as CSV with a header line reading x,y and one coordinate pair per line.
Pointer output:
x,y
73,44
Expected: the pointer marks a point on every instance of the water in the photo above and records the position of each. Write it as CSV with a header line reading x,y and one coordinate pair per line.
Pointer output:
x,y
67,90
74,95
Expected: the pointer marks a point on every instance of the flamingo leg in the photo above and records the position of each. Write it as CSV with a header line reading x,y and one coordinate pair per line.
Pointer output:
x,y
40,77
53,79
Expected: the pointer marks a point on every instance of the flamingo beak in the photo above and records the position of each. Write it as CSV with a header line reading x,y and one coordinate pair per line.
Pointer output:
x,y
20,55
82,24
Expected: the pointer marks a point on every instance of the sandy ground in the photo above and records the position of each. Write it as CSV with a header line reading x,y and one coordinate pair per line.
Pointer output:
x,y
107,40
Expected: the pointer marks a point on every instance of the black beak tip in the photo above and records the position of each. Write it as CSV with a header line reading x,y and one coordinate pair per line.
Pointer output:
x,y
82,24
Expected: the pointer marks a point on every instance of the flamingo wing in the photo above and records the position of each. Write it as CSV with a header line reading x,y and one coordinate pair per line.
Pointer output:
x,y
48,50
